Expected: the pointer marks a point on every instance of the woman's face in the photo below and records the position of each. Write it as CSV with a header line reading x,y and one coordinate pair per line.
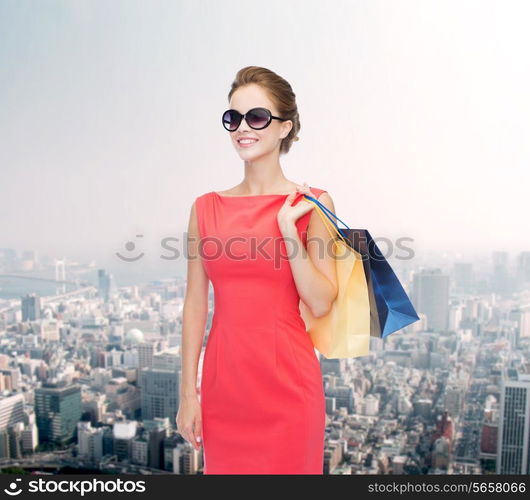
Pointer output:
x,y
268,139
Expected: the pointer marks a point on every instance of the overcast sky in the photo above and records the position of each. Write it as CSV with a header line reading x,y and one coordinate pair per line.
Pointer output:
x,y
414,114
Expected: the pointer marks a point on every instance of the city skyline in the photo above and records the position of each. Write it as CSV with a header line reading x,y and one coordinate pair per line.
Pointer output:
x,y
90,380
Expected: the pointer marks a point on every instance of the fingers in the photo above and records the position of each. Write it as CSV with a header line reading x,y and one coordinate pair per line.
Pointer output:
x,y
300,189
196,436
305,189
193,436
289,200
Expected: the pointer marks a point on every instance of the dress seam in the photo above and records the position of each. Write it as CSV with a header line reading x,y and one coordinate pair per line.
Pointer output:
x,y
304,398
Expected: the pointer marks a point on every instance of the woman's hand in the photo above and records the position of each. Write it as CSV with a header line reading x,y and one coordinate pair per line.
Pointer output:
x,y
289,214
189,420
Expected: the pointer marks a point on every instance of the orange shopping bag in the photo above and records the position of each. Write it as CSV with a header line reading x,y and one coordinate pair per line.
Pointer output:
x,y
345,331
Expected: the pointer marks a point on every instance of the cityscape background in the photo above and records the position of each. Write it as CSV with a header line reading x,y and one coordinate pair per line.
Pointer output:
x,y
90,374
415,120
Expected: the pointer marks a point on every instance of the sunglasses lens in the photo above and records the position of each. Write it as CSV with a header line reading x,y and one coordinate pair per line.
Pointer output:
x,y
231,120
257,118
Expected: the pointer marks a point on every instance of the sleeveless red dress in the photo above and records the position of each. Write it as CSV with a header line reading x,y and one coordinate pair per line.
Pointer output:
x,y
261,389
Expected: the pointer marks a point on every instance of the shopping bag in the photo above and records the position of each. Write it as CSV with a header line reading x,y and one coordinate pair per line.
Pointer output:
x,y
390,307
345,331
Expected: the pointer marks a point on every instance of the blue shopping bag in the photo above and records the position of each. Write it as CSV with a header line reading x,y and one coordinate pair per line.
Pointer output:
x,y
390,307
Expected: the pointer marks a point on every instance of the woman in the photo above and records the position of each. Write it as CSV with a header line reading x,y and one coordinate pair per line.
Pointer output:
x,y
260,408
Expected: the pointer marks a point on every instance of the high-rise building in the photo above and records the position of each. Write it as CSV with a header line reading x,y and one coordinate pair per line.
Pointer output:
x,y
90,441
156,431
341,393
430,296
11,410
4,443
168,359
140,450
160,393
106,285
524,321
146,351
58,410
30,434
500,277
15,439
124,434
523,269
170,450
31,307
513,445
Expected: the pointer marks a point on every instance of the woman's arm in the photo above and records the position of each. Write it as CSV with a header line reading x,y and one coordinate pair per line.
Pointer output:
x,y
195,311
315,277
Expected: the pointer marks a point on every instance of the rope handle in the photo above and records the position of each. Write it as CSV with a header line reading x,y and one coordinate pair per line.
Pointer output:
x,y
326,209
326,222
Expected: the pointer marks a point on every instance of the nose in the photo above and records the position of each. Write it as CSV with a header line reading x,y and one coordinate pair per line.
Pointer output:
x,y
243,126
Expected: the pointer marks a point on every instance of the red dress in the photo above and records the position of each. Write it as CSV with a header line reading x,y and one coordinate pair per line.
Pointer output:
x,y
261,389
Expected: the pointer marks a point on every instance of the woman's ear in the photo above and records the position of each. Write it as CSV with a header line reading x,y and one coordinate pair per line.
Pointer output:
x,y
288,124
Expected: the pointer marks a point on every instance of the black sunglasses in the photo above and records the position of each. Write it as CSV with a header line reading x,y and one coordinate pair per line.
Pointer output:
x,y
256,118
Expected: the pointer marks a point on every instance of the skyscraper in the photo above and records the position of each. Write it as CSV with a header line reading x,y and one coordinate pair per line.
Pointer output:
x,y
500,277
106,285
58,410
31,307
160,393
513,446
523,269
430,296
11,410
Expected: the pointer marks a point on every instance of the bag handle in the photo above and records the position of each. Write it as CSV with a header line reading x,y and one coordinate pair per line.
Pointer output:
x,y
327,223
323,207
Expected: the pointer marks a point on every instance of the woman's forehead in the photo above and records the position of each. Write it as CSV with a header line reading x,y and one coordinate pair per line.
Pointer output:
x,y
250,96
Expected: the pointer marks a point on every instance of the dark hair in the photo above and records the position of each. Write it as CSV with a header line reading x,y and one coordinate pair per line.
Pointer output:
x,y
280,92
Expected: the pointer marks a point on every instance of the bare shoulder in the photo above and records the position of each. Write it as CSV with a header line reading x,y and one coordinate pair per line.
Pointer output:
x,y
226,192
315,222
195,207
326,200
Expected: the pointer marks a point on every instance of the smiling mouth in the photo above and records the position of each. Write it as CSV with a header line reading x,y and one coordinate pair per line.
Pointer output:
x,y
247,142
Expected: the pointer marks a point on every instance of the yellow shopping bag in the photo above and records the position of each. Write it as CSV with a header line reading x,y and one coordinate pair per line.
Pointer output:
x,y
345,331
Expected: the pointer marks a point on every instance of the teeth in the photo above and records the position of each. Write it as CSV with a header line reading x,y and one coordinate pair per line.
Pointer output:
x,y
247,141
